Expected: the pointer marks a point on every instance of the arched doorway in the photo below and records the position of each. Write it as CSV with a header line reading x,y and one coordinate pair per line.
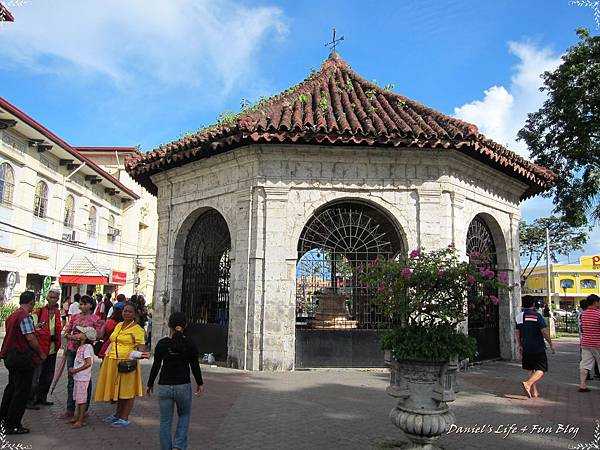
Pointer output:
x,y
483,317
205,283
335,320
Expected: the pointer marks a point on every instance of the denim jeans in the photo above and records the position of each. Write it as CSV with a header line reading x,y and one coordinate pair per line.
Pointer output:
x,y
70,383
181,396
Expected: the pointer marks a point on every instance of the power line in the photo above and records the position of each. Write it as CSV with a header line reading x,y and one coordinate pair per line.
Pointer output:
x,y
72,244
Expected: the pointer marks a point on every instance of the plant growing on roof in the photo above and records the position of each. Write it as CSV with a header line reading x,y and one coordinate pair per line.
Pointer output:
x,y
303,98
424,297
389,87
323,101
226,118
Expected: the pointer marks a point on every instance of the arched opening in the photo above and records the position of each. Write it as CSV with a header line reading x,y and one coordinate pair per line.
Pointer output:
x,y
205,283
483,316
335,320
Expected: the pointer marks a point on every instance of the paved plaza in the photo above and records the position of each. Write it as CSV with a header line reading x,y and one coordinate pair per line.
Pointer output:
x,y
342,409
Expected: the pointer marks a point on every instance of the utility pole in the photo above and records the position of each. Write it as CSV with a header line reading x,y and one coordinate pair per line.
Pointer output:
x,y
549,286
548,280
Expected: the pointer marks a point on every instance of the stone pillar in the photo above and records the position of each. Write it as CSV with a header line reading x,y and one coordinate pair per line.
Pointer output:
x,y
510,304
270,291
240,342
429,214
162,281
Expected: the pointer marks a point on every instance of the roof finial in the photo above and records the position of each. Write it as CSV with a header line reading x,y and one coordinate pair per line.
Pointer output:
x,y
333,44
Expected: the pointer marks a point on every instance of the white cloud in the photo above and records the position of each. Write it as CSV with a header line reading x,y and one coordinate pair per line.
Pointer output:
x,y
166,42
503,110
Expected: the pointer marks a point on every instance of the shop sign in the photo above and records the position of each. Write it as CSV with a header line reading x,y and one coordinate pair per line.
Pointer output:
x,y
118,277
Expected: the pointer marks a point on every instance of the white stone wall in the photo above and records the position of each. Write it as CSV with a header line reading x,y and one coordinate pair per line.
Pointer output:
x,y
268,193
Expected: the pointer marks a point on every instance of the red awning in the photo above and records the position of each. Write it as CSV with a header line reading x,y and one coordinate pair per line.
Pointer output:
x,y
82,279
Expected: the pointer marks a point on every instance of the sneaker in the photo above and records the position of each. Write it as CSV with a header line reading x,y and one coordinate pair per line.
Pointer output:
x,y
120,423
110,419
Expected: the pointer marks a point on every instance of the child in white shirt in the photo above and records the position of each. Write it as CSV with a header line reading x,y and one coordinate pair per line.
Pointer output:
x,y
82,372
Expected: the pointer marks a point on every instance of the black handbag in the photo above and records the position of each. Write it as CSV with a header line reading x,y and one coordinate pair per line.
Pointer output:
x,y
127,365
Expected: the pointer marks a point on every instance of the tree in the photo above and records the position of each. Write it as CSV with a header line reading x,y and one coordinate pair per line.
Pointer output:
x,y
564,135
564,239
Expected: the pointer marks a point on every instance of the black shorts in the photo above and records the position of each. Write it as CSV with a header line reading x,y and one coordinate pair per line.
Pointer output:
x,y
535,361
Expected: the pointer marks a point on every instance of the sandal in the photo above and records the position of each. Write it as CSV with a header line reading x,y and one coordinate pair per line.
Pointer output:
x,y
527,391
584,390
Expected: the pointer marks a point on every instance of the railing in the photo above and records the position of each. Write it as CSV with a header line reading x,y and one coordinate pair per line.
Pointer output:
x,y
566,324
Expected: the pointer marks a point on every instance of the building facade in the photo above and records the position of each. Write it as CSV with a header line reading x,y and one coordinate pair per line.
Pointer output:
x,y
569,282
266,219
69,216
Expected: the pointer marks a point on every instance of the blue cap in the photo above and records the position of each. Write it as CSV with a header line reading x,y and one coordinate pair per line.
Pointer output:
x,y
119,305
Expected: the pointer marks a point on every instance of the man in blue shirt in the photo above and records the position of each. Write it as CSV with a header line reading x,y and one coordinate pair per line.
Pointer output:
x,y
531,332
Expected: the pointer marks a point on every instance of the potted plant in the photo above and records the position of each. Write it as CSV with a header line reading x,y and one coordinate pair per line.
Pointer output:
x,y
424,297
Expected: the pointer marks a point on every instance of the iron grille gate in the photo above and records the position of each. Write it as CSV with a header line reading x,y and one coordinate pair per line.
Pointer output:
x,y
205,289
335,320
483,316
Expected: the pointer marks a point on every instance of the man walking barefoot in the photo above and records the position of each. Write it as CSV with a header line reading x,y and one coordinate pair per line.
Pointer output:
x,y
531,332
590,340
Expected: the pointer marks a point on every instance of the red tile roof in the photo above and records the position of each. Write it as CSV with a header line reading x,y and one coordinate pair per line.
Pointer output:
x,y
5,15
336,106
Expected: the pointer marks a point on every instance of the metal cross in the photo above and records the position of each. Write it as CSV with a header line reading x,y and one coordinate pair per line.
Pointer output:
x,y
334,42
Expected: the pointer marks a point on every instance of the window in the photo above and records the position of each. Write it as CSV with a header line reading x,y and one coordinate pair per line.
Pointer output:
x,y
588,284
7,183
69,211
92,221
40,202
112,229
566,284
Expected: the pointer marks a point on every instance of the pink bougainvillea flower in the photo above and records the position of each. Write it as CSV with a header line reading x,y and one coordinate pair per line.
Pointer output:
x,y
451,246
495,300
406,272
471,279
415,253
475,254
490,274
503,277
381,287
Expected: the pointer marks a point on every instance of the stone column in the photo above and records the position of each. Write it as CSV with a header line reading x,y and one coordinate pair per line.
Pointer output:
x,y
429,215
268,284
509,310
162,282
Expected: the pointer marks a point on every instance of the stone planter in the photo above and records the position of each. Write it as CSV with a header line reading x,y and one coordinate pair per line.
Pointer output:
x,y
423,389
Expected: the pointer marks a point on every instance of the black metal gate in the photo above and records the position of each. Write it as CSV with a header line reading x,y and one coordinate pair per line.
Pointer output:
x,y
336,324
205,286
484,316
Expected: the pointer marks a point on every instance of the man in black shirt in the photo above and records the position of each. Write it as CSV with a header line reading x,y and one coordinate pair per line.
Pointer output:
x,y
531,332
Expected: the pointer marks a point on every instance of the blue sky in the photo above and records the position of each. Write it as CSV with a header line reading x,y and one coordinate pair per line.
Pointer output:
x,y
116,72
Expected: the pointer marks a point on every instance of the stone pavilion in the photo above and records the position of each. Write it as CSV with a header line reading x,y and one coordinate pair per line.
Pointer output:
x,y
266,218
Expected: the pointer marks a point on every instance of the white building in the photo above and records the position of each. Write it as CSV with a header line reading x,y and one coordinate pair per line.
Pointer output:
x,y
70,215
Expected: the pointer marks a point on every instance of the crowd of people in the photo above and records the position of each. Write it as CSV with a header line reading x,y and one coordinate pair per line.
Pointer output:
x,y
115,331
532,330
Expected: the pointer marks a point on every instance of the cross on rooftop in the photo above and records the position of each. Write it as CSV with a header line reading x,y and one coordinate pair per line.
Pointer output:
x,y
334,42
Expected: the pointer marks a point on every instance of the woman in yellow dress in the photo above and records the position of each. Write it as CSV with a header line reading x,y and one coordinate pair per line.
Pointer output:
x,y
118,385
